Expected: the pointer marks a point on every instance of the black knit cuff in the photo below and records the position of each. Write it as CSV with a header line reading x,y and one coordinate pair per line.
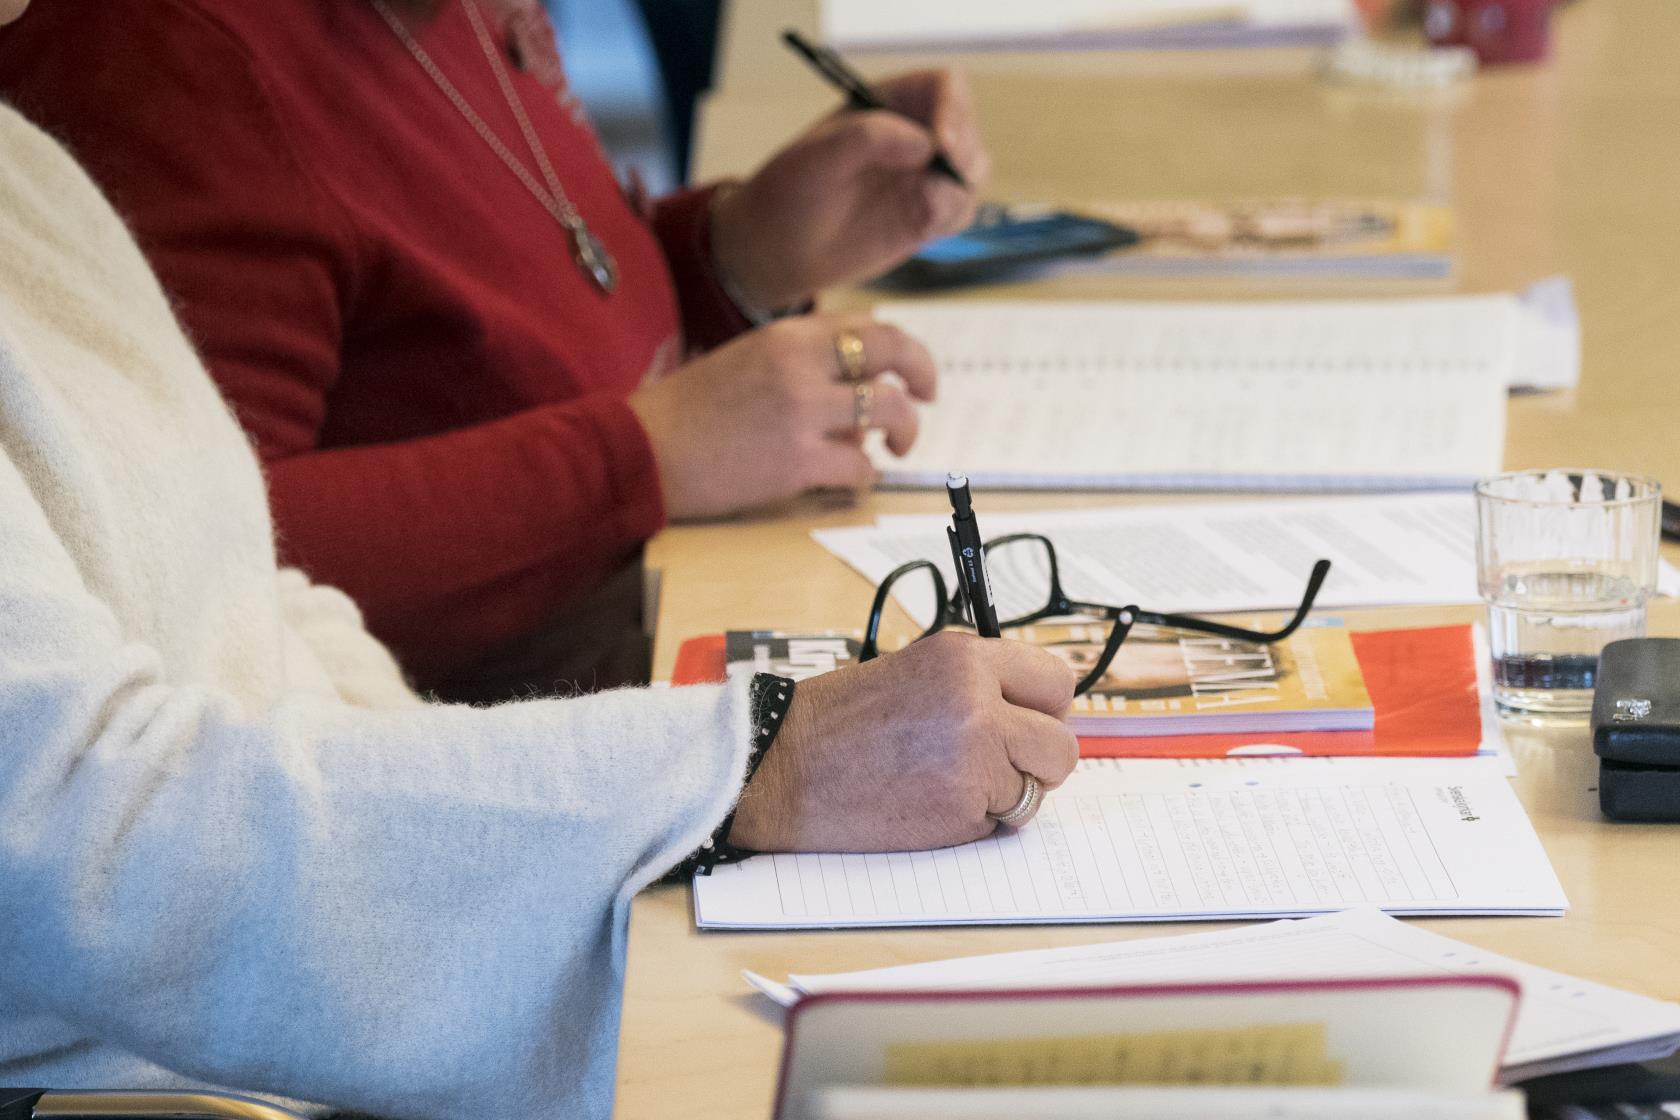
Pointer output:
x,y
768,699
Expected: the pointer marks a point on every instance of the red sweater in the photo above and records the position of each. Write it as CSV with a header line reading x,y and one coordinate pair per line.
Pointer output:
x,y
438,392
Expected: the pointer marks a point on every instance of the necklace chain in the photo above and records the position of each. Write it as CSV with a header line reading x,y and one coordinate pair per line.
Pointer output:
x,y
553,199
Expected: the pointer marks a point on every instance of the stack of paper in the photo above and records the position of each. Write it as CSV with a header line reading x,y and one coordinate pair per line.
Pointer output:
x,y
1105,24
1563,1022
1352,395
1158,840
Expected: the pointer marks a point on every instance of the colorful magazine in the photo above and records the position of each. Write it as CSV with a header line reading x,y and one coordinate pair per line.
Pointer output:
x,y
1307,238
1171,682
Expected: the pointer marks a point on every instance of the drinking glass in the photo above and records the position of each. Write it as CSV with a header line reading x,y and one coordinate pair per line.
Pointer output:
x,y
1565,560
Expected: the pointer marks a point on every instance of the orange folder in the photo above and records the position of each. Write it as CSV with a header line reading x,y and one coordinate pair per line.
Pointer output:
x,y
1422,683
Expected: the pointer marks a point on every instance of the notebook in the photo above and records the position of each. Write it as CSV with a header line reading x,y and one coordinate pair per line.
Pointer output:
x,y
1092,24
1405,394
1136,840
1440,1032
1564,1022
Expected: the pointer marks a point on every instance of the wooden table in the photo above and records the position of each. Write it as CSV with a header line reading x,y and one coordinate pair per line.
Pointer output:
x,y
1571,167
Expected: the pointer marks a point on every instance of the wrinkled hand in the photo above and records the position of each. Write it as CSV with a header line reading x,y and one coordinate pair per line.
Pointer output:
x,y
853,196
766,417
911,750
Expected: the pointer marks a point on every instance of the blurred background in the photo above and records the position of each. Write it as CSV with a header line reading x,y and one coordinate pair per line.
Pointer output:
x,y
638,65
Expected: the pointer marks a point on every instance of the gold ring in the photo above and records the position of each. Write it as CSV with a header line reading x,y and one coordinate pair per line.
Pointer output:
x,y
848,348
863,405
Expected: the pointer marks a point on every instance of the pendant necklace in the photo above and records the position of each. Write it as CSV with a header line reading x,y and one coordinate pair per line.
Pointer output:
x,y
590,255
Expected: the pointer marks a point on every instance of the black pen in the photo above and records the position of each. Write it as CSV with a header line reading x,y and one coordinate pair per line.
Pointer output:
x,y
970,557
827,62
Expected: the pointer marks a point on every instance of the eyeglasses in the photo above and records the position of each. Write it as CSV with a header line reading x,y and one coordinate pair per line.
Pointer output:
x,y
1027,585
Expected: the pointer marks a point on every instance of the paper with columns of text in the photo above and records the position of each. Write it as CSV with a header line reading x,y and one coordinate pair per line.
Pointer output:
x,y
1341,395
1177,839
1385,550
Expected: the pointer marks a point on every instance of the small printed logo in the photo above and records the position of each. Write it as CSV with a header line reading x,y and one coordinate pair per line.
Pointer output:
x,y
1631,711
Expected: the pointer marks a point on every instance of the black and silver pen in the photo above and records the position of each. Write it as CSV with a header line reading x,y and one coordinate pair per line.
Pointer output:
x,y
828,63
970,557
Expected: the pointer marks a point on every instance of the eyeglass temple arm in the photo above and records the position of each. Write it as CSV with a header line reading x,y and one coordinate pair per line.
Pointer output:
x,y
1124,620
1320,572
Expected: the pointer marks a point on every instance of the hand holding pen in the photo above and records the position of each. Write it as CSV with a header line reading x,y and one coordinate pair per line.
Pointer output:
x,y
860,95
856,193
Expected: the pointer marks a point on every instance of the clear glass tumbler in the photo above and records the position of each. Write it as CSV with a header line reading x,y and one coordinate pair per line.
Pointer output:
x,y
1566,560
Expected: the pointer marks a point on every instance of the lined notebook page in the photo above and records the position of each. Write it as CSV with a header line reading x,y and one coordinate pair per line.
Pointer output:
x,y
1156,840
1355,395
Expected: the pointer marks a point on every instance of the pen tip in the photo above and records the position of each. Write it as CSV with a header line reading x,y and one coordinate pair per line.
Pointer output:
x,y
956,480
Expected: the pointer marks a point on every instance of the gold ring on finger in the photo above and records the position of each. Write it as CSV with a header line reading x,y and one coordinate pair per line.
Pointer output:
x,y
863,405
848,348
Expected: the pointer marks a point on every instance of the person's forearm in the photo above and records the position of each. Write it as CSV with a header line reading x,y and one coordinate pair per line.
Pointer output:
x,y
454,544
352,907
682,222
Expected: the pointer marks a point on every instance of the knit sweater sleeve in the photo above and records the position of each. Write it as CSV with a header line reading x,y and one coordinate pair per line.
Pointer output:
x,y
453,544
362,671
683,223
416,912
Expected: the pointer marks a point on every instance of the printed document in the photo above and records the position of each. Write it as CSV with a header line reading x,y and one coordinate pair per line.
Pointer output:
x,y
1176,839
1562,1022
1350,395
962,24
1210,557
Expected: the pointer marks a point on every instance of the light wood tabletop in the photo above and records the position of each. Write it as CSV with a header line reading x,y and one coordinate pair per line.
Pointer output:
x,y
1571,167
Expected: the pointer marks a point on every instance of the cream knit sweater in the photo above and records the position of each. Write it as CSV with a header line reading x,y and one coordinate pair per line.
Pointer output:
x,y
234,847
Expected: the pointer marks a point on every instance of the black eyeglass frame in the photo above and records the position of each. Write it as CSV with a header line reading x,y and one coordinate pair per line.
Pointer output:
x,y
953,609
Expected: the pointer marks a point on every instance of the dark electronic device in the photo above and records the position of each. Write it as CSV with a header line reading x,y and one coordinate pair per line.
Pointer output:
x,y
1636,1091
1001,244
1636,729
1671,520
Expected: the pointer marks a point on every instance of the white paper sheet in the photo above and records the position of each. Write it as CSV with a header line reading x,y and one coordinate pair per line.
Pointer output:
x,y
1562,1023
1385,550
1157,840
1302,395
1210,556
960,24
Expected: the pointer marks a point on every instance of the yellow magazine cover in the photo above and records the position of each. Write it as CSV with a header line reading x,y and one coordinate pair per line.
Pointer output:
x,y
1303,237
1166,682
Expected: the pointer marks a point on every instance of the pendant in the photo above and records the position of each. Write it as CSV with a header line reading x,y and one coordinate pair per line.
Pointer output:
x,y
593,258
